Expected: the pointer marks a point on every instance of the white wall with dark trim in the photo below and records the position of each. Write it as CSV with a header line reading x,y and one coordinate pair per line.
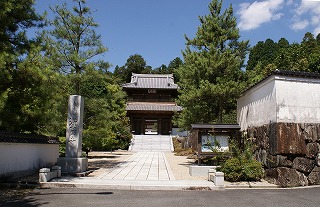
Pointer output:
x,y
278,99
16,157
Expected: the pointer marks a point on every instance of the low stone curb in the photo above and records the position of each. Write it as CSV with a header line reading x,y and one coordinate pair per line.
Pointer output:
x,y
133,186
183,185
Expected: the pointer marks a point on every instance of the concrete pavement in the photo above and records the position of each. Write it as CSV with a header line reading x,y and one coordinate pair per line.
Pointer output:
x,y
147,169
142,171
142,166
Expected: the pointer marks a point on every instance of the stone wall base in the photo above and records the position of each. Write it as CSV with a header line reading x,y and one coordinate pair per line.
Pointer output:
x,y
290,152
73,165
200,170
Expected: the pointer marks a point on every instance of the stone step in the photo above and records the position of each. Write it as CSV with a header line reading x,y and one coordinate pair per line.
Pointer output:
x,y
151,143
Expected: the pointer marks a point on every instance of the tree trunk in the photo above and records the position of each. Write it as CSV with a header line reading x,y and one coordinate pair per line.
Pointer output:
x,y
78,80
220,112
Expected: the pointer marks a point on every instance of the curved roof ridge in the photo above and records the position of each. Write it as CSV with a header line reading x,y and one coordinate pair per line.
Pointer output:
x,y
151,81
152,75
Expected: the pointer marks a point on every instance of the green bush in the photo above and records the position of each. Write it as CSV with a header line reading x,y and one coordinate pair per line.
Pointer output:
x,y
242,166
252,170
242,169
62,146
232,169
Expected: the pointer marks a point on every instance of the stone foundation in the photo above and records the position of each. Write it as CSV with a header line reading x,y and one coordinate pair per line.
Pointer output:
x,y
73,165
290,152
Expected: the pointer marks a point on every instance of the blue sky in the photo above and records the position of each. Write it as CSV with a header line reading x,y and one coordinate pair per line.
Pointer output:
x,y
155,29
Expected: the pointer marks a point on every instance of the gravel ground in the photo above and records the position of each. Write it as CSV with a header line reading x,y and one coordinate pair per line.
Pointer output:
x,y
180,167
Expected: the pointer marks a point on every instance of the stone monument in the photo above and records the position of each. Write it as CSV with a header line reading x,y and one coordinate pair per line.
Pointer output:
x,y
73,163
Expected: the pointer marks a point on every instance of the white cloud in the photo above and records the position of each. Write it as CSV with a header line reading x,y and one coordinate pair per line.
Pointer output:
x,y
316,30
299,24
290,2
315,20
306,6
259,12
309,10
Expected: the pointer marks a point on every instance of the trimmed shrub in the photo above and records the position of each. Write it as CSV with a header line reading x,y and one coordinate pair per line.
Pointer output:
x,y
241,169
232,170
242,166
252,170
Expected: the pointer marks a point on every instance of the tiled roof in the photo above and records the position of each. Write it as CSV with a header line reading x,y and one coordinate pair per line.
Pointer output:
x,y
11,137
152,106
289,73
151,81
293,73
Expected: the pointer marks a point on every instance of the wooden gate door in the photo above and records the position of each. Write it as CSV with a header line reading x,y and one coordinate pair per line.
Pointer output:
x,y
137,125
165,126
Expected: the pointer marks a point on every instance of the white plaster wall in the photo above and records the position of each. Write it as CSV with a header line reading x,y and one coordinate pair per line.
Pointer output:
x,y
298,100
257,106
15,157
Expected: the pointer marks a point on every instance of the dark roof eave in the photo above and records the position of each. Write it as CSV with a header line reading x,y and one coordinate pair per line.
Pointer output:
x,y
138,110
215,126
159,88
12,137
300,74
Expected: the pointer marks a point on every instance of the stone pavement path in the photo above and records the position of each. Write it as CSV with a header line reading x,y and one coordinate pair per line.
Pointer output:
x,y
146,169
145,165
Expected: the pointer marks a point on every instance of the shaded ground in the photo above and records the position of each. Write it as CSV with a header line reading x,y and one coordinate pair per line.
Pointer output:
x,y
13,193
17,188
99,162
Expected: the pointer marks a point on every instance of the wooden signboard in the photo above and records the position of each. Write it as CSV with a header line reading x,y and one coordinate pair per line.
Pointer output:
x,y
210,134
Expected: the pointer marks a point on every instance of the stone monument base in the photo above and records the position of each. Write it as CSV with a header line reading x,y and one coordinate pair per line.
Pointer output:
x,y
73,165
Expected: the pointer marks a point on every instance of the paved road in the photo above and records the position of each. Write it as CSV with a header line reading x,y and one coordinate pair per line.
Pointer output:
x,y
229,198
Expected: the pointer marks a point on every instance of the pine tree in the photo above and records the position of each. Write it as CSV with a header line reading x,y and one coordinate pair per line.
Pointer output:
x,y
211,76
74,49
25,82
73,44
16,18
134,64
